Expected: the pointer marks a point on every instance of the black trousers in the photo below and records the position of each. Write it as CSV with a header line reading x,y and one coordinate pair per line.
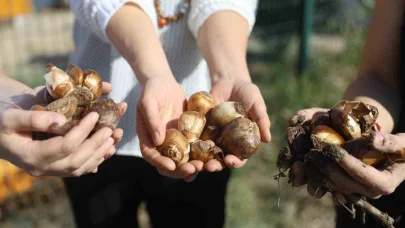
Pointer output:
x,y
110,198
393,204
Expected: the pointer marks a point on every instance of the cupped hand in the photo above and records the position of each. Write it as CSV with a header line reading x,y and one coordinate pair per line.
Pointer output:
x,y
72,154
348,174
248,94
159,107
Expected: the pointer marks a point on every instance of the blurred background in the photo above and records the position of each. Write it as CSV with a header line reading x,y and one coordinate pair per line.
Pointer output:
x,y
302,53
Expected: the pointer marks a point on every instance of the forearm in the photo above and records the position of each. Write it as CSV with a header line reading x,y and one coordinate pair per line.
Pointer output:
x,y
10,87
131,31
223,39
378,80
14,93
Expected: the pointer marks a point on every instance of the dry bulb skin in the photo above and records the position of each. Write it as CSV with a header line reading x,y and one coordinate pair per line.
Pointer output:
x,y
200,102
175,147
77,93
359,148
58,82
205,151
241,137
349,126
191,124
345,124
109,113
226,112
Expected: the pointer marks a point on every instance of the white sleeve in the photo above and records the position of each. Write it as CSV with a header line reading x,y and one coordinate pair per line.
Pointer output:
x,y
95,14
202,9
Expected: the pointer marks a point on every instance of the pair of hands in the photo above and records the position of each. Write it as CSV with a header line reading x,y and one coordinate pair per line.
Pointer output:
x,y
350,175
161,104
72,154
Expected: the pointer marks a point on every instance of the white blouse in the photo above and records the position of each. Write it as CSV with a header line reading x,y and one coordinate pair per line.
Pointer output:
x,y
94,51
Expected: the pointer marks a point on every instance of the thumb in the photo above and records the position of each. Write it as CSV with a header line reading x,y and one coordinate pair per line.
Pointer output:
x,y
21,120
151,114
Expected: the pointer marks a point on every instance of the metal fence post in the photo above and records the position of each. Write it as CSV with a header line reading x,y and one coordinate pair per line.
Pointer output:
x,y
307,15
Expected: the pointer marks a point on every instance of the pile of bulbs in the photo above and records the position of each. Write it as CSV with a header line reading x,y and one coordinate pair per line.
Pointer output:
x,y
75,93
207,131
348,124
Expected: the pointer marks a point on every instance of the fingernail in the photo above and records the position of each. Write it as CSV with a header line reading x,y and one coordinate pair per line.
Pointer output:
x,y
296,120
94,117
95,170
58,119
156,136
107,133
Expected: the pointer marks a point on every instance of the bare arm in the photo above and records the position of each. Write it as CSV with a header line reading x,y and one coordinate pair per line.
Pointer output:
x,y
223,39
131,31
378,79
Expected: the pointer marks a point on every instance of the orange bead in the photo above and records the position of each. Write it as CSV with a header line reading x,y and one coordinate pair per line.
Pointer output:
x,y
162,22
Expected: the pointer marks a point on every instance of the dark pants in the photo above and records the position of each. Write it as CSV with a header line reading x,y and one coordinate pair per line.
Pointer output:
x,y
110,198
393,204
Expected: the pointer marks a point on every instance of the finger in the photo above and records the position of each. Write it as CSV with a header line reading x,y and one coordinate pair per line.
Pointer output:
x,y
296,174
181,172
14,120
123,108
98,157
231,161
306,115
87,152
148,150
388,143
376,181
258,114
345,181
69,166
191,177
329,184
149,108
110,152
117,135
106,88
79,133
317,192
214,166
198,165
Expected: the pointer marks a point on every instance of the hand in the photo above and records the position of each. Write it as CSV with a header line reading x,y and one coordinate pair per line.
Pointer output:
x,y
248,94
160,105
350,175
69,155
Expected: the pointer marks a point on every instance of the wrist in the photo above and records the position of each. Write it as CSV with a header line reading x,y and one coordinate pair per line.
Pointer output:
x,y
231,75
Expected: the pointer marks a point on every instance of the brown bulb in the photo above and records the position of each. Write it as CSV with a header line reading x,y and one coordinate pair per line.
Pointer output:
x,y
66,106
210,131
241,137
58,82
321,119
93,81
38,108
76,74
323,135
200,102
205,151
109,113
191,124
175,147
360,149
226,112
345,124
